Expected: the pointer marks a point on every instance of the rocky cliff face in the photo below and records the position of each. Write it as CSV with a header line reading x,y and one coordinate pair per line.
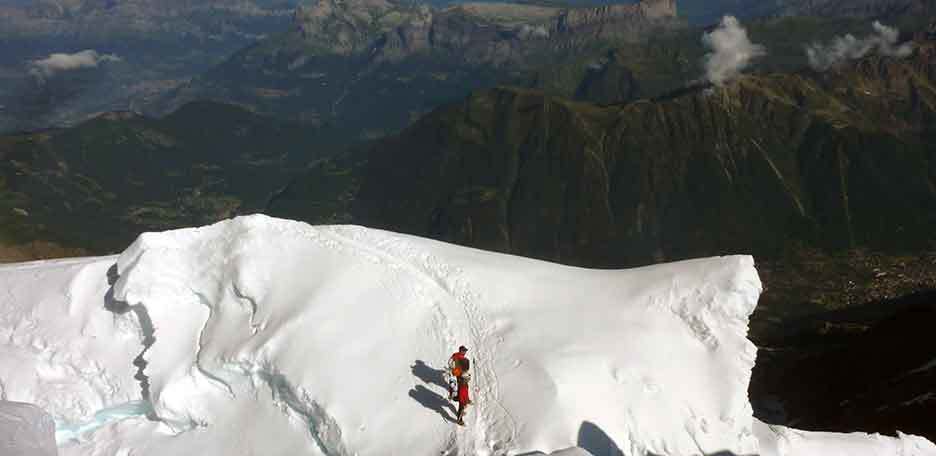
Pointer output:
x,y
82,18
626,22
486,32
344,27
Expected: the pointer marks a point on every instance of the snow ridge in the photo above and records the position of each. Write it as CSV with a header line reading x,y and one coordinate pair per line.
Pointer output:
x,y
237,286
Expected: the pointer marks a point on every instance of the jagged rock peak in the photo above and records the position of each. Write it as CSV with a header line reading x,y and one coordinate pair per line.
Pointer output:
x,y
323,8
648,9
397,29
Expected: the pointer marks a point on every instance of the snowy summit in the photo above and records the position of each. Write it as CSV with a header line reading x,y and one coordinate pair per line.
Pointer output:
x,y
264,336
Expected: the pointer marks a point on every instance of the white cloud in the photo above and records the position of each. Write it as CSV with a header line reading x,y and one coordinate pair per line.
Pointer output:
x,y
732,51
844,48
533,32
66,62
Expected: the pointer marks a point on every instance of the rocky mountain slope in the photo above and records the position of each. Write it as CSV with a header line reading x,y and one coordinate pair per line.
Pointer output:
x,y
837,160
95,186
866,368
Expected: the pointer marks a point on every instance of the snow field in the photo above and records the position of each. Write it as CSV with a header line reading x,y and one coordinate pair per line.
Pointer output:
x,y
265,336
59,347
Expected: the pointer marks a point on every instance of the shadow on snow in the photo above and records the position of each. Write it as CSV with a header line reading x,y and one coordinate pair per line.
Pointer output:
x,y
428,398
597,443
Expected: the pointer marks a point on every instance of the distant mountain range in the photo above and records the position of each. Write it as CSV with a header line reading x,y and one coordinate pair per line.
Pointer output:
x,y
365,68
370,67
159,44
106,20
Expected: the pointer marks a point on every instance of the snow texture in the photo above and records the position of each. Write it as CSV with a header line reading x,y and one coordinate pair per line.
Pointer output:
x,y
26,430
264,336
59,347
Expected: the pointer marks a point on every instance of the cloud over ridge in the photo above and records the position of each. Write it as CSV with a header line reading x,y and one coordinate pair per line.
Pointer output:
x,y
59,62
732,51
848,47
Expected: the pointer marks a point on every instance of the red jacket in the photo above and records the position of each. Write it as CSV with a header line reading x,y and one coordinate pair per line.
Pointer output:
x,y
458,356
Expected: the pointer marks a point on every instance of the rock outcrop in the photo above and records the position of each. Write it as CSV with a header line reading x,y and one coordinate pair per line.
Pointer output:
x,y
494,32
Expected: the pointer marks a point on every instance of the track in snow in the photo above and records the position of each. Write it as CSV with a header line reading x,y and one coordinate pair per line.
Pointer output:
x,y
487,415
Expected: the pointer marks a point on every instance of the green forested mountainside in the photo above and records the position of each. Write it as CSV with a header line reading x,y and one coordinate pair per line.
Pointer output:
x,y
99,184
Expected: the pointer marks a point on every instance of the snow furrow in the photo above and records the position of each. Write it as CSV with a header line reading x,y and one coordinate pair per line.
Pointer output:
x,y
323,429
200,345
433,271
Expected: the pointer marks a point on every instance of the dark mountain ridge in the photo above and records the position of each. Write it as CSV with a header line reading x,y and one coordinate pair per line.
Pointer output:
x,y
836,160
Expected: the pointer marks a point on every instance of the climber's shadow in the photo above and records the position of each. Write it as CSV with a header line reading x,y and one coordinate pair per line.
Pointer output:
x,y
434,401
429,375
594,440
430,399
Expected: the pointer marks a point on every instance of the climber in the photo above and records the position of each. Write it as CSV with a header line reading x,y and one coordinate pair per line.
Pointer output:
x,y
462,387
455,366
